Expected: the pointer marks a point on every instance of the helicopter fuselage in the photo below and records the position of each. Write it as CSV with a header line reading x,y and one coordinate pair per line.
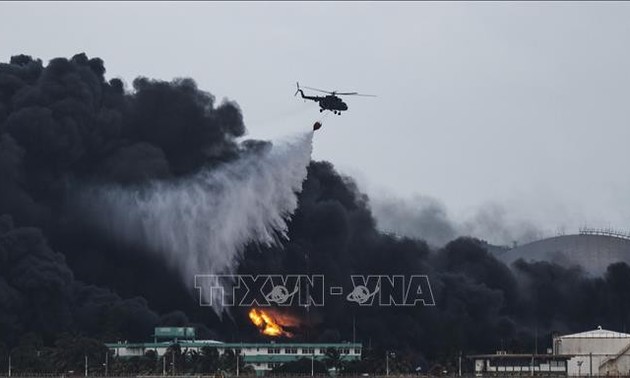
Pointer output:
x,y
330,102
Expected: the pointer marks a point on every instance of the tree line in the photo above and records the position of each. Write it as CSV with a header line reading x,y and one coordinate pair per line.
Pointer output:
x,y
74,354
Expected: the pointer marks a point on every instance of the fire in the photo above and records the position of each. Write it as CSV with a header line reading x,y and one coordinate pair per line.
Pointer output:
x,y
270,323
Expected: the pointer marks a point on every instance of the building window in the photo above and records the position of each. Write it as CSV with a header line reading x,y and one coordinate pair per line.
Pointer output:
x,y
559,364
357,351
273,351
290,350
308,350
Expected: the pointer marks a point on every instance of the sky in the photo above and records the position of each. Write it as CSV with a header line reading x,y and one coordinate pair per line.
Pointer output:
x,y
516,106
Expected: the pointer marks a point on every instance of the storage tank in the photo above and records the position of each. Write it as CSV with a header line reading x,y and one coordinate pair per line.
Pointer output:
x,y
596,352
591,249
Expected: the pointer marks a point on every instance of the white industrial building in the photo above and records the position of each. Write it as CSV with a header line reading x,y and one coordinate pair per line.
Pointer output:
x,y
262,357
502,364
597,352
593,353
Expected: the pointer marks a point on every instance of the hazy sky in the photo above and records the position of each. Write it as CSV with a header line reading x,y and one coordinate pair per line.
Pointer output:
x,y
525,106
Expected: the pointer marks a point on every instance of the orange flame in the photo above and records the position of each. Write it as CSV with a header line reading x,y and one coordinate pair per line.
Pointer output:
x,y
270,324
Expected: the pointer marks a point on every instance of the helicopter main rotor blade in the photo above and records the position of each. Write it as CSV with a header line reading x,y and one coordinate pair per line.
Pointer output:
x,y
315,89
334,93
355,94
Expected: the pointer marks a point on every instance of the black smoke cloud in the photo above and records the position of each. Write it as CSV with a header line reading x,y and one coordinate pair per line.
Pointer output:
x,y
63,124
482,305
38,293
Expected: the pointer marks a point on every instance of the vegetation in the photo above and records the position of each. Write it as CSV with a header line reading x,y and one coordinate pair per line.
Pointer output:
x,y
70,353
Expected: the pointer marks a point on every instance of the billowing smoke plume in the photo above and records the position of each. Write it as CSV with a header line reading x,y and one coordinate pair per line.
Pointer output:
x,y
63,127
163,155
421,217
38,293
481,304
201,223
428,219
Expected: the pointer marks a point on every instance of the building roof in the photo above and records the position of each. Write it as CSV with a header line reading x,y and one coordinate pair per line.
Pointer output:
x,y
598,333
174,332
218,344
522,355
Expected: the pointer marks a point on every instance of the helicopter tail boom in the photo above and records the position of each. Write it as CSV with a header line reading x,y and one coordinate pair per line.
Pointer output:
x,y
299,90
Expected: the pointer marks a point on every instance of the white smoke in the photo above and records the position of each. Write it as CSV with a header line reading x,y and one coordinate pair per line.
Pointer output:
x,y
202,223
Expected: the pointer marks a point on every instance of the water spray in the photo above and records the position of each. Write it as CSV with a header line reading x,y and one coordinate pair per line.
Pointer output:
x,y
202,223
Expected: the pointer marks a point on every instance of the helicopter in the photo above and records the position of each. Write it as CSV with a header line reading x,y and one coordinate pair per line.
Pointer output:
x,y
331,101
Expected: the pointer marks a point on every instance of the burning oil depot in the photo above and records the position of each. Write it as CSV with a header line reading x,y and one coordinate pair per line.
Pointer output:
x,y
262,357
598,352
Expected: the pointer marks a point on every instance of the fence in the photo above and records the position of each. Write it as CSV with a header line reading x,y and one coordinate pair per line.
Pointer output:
x,y
271,375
